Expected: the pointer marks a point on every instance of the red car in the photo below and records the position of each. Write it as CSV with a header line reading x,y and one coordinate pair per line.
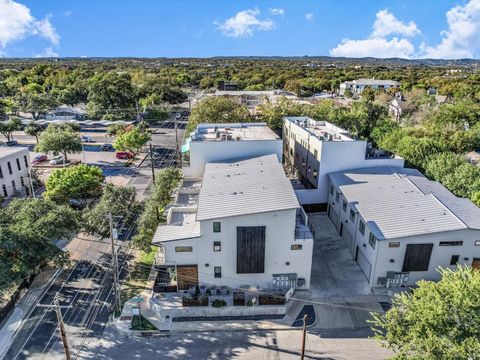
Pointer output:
x,y
124,155
39,158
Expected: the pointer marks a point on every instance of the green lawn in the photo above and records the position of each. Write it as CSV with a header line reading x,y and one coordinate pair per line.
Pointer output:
x,y
140,323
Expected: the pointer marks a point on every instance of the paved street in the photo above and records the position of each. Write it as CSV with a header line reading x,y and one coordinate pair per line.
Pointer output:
x,y
86,286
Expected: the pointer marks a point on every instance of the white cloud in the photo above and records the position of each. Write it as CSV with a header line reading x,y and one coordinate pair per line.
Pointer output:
x,y
379,44
276,11
47,52
387,24
375,47
245,23
68,13
16,23
462,39
309,16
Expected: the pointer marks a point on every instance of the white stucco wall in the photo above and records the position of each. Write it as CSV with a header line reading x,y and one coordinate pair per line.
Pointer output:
x,y
280,229
16,175
202,152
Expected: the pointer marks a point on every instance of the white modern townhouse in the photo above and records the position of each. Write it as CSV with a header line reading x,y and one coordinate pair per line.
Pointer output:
x,y
253,98
239,225
357,86
14,168
401,227
312,149
220,142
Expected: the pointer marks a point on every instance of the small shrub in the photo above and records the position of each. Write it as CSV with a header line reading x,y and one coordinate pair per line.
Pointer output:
x,y
218,303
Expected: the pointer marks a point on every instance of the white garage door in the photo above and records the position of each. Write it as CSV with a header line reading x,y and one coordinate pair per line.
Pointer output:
x,y
333,216
364,264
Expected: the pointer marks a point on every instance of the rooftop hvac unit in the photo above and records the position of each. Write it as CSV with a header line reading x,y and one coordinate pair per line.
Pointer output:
x,y
229,137
238,138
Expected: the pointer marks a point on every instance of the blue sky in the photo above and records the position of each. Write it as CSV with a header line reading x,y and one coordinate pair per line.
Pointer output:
x,y
203,28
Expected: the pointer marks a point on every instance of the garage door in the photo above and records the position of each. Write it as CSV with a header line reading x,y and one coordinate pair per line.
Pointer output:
x,y
333,216
187,275
363,263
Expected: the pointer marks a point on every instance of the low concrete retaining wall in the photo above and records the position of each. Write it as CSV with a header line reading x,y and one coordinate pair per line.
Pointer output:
x,y
204,311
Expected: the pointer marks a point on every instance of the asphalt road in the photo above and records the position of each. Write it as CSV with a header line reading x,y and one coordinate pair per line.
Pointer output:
x,y
86,286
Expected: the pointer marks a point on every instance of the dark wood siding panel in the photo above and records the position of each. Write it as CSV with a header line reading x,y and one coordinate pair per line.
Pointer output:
x,y
250,249
187,275
417,257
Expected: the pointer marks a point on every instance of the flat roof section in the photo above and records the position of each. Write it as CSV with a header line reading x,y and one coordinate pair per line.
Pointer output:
x,y
321,129
234,132
8,150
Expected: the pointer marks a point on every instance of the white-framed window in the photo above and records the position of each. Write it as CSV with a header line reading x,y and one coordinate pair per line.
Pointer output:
x,y
372,240
217,246
217,226
217,272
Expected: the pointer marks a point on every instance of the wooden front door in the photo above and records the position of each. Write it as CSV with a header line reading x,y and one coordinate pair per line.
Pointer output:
x,y
476,263
187,275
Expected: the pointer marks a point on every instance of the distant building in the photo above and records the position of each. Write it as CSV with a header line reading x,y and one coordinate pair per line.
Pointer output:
x,y
239,225
312,149
221,142
14,167
357,86
65,112
227,86
401,227
253,98
398,106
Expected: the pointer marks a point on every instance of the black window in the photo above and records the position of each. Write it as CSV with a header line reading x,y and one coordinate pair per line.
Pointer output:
x,y
315,154
14,186
18,165
4,188
352,215
296,247
21,181
217,246
217,271
9,168
250,249
417,257
344,206
337,197
1,173
25,160
216,226
332,189
454,259
361,227
372,240
451,243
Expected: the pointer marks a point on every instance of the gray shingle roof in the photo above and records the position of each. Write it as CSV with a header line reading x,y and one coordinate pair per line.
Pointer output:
x,y
244,187
398,202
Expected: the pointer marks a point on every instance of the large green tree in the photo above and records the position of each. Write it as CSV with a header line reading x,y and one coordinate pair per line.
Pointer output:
x,y
117,200
59,139
111,96
34,129
132,140
35,100
78,182
8,127
439,320
218,110
28,229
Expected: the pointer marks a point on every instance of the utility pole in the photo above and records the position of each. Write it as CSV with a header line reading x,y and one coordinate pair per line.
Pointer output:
x,y
151,162
304,336
63,333
179,158
116,287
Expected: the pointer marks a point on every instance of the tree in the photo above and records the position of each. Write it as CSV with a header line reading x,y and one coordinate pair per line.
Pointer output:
x,y
8,127
59,139
476,198
111,96
218,110
132,140
33,129
34,100
78,182
28,229
116,129
159,198
439,320
273,114
118,200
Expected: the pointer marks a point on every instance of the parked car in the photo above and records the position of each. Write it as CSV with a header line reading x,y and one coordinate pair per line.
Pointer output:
x,y
39,158
56,160
85,138
124,155
11,143
106,147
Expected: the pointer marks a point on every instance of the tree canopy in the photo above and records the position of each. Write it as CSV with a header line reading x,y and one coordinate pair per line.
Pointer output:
x,y
132,140
59,139
78,182
438,320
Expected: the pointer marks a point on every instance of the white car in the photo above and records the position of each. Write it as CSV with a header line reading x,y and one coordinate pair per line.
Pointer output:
x,y
57,160
85,138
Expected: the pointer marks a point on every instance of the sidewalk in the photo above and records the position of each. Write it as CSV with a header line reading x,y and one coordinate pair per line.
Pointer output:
x,y
25,306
